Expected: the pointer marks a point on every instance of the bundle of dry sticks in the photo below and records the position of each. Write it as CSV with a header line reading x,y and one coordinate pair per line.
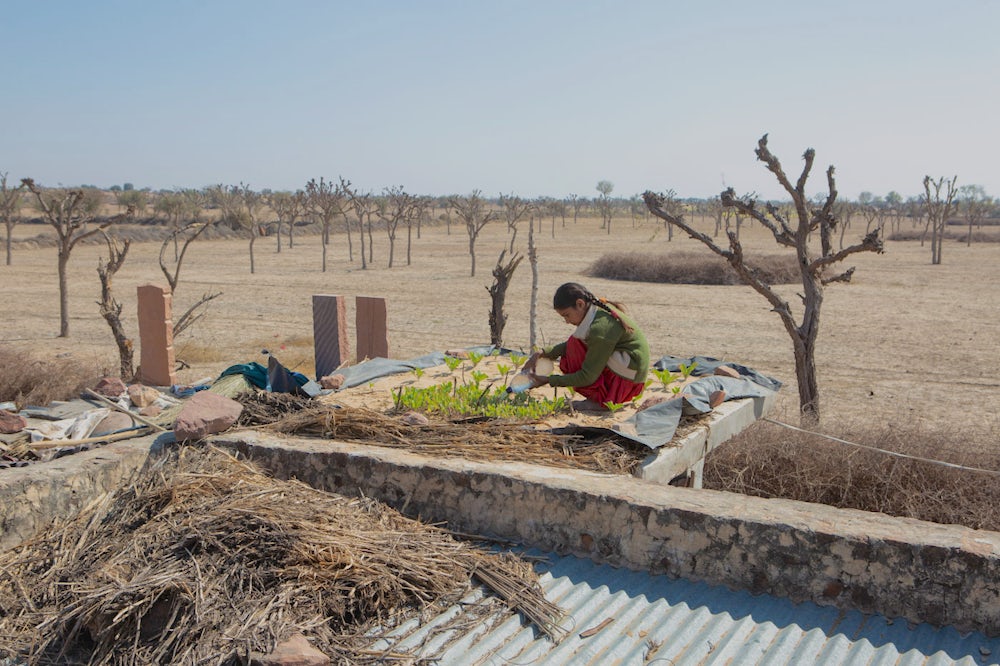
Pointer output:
x,y
474,439
205,559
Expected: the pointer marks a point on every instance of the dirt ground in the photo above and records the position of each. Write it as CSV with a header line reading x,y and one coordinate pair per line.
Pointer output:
x,y
904,341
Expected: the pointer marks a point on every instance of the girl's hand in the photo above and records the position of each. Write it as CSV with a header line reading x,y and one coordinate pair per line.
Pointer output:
x,y
538,380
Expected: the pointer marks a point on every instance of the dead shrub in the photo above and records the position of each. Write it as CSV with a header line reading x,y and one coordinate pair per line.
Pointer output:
x,y
958,235
39,381
768,460
690,268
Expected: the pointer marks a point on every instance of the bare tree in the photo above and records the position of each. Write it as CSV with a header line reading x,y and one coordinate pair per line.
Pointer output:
x,y
74,217
417,214
474,212
533,302
974,204
813,267
577,203
393,207
364,206
11,199
190,233
604,203
111,309
325,200
514,210
288,206
938,209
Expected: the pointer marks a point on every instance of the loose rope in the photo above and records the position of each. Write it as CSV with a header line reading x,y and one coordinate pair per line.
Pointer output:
x,y
886,451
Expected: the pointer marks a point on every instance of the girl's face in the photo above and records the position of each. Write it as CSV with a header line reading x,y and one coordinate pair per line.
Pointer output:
x,y
574,314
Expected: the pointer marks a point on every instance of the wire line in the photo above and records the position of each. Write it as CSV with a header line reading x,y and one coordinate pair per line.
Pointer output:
x,y
885,451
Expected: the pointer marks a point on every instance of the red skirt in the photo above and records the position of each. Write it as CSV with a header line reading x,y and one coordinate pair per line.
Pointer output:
x,y
609,387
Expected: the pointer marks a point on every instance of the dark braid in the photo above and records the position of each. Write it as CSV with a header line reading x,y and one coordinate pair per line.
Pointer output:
x,y
567,294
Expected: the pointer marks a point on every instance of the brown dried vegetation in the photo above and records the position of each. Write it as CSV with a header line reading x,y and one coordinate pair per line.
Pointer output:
x,y
689,268
768,460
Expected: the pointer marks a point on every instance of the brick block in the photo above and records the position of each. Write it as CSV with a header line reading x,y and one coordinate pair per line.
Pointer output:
x,y
156,335
330,342
372,332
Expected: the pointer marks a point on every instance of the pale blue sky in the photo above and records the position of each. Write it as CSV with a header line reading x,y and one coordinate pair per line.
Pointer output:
x,y
522,96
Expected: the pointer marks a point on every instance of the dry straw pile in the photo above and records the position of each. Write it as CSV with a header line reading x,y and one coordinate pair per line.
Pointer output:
x,y
473,439
205,559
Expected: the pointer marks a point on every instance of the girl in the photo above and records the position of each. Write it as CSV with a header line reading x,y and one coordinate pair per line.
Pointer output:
x,y
606,359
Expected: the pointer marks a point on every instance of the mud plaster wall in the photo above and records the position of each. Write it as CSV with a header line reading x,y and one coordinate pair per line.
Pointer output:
x,y
924,572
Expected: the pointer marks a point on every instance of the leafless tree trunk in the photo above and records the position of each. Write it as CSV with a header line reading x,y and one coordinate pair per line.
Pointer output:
x,y
514,210
473,212
938,211
326,201
70,215
533,307
392,208
502,274
10,205
111,309
812,267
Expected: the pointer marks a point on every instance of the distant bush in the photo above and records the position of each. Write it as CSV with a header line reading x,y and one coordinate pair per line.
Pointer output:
x,y
960,235
767,460
690,268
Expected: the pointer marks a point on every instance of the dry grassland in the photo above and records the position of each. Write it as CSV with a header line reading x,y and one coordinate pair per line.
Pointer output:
x,y
905,342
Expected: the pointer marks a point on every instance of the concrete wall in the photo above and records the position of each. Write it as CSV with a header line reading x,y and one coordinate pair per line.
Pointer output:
x,y
924,572
32,497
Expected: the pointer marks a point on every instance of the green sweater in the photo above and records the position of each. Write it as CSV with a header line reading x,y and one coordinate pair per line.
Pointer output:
x,y
604,337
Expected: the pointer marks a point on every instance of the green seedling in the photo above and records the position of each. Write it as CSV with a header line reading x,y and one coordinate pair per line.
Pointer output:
x,y
675,389
417,372
478,376
452,362
665,376
451,399
475,358
614,407
518,360
503,369
686,370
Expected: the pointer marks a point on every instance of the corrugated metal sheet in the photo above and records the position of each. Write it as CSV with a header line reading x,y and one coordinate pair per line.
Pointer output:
x,y
659,621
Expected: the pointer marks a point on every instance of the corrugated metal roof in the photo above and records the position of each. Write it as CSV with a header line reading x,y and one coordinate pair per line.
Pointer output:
x,y
659,621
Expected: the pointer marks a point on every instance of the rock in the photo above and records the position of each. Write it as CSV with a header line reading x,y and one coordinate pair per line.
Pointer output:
x,y
716,398
726,371
650,401
11,423
142,396
296,651
457,353
150,410
414,419
110,387
205,413
332,381
111,423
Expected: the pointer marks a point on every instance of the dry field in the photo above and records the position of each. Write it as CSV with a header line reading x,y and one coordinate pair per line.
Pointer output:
x,y
905,341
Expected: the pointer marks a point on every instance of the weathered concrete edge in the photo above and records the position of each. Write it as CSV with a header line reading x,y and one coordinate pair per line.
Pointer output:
x,y
32,497
924,572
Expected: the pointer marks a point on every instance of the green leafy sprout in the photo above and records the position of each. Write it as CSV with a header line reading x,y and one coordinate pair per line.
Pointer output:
x,y
665,376
452,362
686,370
451,400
